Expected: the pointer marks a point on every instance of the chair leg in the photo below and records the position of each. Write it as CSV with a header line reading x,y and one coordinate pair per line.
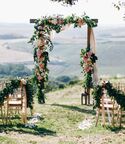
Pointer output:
x,y
88,99
120,122
81,99
24,117
8,115
2,115
97,116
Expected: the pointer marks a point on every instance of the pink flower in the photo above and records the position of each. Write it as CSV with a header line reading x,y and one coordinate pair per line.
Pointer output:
x,y
88,69
89,53
39,77
85,58
60,21
39,53
41,66
41,59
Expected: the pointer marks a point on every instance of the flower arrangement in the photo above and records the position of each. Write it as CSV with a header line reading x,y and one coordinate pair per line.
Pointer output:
x,y
88,60
43,43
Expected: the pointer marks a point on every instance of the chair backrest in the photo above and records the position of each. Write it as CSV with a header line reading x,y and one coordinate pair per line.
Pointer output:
x,y
18,98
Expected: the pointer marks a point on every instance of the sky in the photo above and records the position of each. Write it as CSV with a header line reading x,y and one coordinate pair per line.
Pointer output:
x,y
20,11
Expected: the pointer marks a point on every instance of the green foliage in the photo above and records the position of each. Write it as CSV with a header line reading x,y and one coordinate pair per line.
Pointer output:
x,y
40,93
118,95
9,89
38,87
57,83
30,93
64,79
14,84
97,94
87,82
87,60
61,86
73,82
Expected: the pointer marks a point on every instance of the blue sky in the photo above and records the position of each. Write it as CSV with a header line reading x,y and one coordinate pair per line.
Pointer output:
x,y
12,11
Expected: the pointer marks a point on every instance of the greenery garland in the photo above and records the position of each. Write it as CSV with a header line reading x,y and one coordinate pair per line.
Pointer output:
x,y
41,38
14,84
29,93
87,62
9,89
114,93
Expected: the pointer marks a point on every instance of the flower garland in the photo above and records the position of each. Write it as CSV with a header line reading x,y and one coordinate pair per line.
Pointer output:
x,y
14,84
114,93
87,62
43,43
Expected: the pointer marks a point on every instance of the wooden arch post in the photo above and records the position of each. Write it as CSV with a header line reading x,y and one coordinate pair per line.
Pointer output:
x,y
87,90
89,32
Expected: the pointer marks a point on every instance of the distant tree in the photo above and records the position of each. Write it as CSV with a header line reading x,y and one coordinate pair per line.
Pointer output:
x,y
119,5
69,2
64,79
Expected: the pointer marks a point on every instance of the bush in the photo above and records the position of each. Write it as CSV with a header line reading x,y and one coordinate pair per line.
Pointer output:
x,y
72,82
64,79
61,86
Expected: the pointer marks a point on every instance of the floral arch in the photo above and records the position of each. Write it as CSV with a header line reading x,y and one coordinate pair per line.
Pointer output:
x,y
43,44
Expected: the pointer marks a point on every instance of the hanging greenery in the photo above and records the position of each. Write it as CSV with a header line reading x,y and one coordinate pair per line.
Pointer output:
x,y
14,84
41,39
114,93
87,62
9,89
29,93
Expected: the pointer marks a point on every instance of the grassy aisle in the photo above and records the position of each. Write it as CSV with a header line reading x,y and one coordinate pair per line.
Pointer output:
x,y
61,116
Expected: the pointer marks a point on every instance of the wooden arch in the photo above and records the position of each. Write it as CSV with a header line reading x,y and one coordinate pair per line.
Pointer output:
x,y
41,34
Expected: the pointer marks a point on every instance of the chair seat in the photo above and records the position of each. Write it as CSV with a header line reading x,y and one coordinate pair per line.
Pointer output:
x,y
15,103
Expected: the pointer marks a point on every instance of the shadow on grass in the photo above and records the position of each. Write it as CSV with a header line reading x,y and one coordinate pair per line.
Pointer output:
x,y
115,129
75,108
22,129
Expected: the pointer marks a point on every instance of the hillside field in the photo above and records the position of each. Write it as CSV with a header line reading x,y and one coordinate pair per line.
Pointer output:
x,y
61,116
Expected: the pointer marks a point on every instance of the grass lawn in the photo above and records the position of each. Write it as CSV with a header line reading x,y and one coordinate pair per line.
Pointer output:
x,y
61,116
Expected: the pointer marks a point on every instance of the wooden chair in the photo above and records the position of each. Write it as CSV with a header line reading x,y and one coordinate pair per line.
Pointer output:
x,y
110,110
17,104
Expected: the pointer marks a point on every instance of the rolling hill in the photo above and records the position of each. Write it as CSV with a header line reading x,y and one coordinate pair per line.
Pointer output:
x,y
67,45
